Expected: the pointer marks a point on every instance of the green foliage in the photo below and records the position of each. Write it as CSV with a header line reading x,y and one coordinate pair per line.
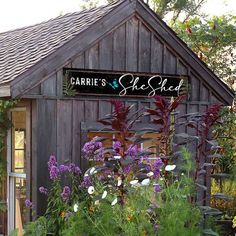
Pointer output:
x,y
177,8
68,89
213,40
225,134
5,125
38,227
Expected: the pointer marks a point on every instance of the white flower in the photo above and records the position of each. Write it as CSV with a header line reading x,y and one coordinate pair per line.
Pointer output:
x,y
104,194
114,202
145,182
182,173
96,202
119,181
76,207
150,174
117,157
91,190
92,170
170,167
133,182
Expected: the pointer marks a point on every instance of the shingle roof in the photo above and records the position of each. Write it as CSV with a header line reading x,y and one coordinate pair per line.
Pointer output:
x,y
22,48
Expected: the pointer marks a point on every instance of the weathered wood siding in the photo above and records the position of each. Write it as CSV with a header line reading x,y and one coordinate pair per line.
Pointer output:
x,y
132,46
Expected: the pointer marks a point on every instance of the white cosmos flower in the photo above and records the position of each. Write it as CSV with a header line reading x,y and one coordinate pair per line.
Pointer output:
x,y
133,182
104,194
119,181
150,174
145,182
96,202
92,170
114,202
76,207
170,167
91,190
117,157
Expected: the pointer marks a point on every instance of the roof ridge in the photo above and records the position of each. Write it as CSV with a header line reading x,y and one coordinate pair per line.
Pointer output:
x,y
69,14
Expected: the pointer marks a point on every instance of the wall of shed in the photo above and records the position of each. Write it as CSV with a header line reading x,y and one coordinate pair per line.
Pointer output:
x,y
132,46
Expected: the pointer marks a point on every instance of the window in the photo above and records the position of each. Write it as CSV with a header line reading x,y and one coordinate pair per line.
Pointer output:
x,y
17,213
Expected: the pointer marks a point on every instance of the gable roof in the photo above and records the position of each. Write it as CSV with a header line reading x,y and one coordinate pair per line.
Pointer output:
x,y
22,48
29,54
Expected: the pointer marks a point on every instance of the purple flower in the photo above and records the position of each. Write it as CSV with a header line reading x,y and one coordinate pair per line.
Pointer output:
x,y
87,182
132,150
157,188
52,162
63,168
127,168
54,173
116,146
99,154
156,166
71,167
88,147
65,194
77,170
97,145
43,190
28,203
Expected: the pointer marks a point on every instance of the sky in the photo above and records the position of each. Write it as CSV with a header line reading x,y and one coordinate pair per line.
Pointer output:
x,y
19,13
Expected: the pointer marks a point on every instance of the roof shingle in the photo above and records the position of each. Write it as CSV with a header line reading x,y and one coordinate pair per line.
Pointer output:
x,y
22,48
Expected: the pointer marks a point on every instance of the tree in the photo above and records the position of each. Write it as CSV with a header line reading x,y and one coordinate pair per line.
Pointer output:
x,y
213,40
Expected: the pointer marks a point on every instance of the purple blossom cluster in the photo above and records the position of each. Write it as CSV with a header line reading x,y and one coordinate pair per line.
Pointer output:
x,y
28,203
116,146
94,150
156,167
43,190
66,193
133,150
87,182
55,170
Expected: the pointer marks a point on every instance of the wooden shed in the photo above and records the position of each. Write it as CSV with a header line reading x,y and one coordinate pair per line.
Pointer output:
x,y
126,36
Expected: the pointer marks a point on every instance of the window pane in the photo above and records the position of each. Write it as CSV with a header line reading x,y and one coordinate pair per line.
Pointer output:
x,y
20,208
18,141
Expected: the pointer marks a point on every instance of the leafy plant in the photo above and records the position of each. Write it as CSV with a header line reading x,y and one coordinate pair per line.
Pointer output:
x,y
60,200
68,88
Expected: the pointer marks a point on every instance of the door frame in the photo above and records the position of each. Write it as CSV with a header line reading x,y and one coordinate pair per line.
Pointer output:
x,y
21,106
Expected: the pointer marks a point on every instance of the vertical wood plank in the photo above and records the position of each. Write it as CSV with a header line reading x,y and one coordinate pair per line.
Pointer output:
x,y
104,109
132,44
49,86
78,117
170,62
64,132
144,48
92,57
46,141
156,55
91,110
195,87
204,93
119,48
181,68
79,61
105,52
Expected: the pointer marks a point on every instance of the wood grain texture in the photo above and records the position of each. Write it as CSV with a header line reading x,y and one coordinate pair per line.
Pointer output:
x,y
132,44
144,48
46,144
119,48
106,52
156,55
